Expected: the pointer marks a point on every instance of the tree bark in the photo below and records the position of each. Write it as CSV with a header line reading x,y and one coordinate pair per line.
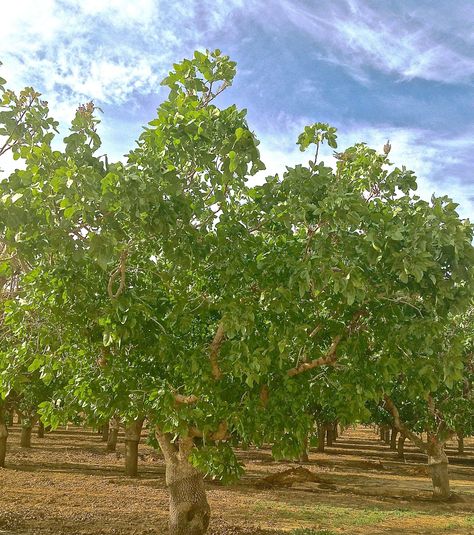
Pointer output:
x,y
40,432
304,452
329,436
393,439
189,510
133,432
3,436
401,446
387,435
460,442
335,433
321,438
25,440
438,465
105,431
382,433
113,434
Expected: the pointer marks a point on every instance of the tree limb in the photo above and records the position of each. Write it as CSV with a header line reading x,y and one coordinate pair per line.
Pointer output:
x,y
328,359
390,406
180,399
214,351
120,270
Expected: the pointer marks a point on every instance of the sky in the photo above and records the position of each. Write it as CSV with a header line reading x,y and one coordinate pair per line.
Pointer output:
x,y
400,70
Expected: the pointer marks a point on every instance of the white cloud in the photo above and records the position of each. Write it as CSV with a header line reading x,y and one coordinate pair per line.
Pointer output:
x,y
106,50
358,37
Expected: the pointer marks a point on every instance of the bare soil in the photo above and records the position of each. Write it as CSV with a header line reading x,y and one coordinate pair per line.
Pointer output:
x,y
67,484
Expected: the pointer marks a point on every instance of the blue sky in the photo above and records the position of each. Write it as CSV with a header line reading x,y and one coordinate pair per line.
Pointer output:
x,y
402,70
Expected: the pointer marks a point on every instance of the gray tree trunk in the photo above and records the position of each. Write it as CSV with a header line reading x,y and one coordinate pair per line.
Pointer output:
x,y
438,465
321,438
393,439
329,434
25,440
133,432
189,510
105,431
113,434
304,452
401,446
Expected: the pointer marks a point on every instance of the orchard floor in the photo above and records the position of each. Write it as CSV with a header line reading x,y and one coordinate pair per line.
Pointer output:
x,y
66,484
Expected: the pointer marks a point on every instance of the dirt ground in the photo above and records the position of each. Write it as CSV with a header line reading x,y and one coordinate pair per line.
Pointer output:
x,y
66,484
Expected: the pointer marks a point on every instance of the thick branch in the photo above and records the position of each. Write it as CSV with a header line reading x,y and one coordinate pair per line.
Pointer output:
x,y
119,271
185,400
220,434
328,359
214,351
390,406
167,447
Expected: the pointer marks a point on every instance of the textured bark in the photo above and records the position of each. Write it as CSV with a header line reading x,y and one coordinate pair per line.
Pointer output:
x,y
105,431
3,436
460,443
393,439
133,432
321,438
25,440
438,465
304,452
329,435
401,446
113,434
387,435
10,415
189,510
40,432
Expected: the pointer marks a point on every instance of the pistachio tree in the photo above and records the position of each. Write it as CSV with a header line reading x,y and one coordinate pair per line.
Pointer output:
x,y
214,309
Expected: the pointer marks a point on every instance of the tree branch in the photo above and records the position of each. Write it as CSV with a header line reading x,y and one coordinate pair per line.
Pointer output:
x,y
180,399
167,447
328,359
214,351
120,270
390,406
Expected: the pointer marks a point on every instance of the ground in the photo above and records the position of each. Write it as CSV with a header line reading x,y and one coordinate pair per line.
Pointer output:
x,y
67,484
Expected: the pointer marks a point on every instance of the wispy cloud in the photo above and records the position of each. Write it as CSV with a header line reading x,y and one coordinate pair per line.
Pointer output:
x,y
360,36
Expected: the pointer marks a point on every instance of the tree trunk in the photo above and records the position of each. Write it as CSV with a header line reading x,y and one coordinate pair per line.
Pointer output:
x,y
387,436
3,436
321,438
189,510
105,431
438,465
382,433
329,436
9,415
401,446
113,434
25,440
133,432
304,452
460,442
40,432
335,432
393,439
